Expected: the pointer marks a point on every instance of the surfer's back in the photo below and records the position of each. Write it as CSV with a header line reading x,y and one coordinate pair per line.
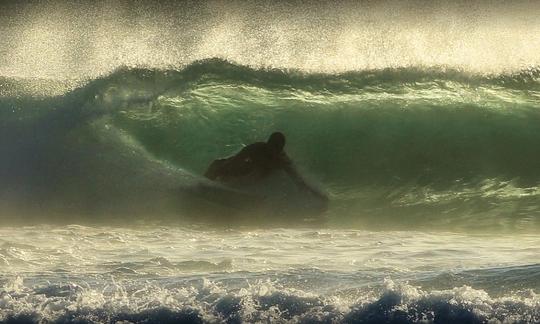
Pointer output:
x,y
255,160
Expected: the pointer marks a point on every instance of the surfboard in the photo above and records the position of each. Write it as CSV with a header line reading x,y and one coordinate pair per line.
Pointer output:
x,y
225,196
275,197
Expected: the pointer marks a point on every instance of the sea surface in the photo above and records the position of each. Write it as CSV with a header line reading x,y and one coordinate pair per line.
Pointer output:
x,y
161,274
420,122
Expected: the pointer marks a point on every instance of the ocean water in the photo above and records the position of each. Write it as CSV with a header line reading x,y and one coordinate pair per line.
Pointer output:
x,y
193,274
419,121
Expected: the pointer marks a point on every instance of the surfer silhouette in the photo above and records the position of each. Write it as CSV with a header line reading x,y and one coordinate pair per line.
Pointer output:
x,y
257,161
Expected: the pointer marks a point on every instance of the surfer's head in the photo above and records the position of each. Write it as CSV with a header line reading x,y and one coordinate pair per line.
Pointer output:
x,y
276,141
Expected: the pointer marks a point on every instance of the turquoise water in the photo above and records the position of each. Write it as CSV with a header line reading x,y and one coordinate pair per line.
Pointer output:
x,y
405,148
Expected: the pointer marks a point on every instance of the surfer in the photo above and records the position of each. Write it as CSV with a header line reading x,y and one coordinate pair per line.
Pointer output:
x,y
257,161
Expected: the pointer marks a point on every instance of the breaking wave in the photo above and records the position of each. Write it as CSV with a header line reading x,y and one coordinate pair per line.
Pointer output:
x,y
423,141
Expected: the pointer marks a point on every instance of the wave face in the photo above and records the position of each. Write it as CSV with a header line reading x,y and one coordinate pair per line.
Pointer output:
x,y
423,142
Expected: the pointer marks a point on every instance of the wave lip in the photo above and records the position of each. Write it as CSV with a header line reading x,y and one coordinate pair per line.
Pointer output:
x,y
220,70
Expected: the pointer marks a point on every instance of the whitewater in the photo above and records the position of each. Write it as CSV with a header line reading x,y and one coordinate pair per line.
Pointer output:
x,y
419,121
162,274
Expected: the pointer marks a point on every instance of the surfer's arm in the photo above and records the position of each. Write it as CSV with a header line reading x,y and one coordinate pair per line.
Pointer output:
x,y
290,169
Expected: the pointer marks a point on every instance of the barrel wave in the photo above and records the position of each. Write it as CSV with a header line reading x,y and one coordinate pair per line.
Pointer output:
x,y
406,147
